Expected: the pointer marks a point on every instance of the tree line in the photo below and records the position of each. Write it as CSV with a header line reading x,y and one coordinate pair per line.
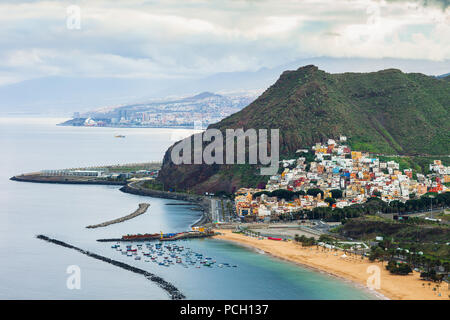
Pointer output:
x,y
372,206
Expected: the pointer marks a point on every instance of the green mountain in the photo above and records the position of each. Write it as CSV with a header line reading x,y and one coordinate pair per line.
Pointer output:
x,y
386,112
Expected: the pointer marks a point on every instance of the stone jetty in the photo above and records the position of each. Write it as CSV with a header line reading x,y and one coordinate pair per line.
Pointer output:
x,y
141,210
173,292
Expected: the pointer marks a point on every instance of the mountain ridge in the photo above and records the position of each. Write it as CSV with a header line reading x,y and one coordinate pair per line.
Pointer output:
x,y
63,95
387,112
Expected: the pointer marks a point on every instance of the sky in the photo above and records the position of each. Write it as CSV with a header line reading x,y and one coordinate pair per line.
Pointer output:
x,y
176,39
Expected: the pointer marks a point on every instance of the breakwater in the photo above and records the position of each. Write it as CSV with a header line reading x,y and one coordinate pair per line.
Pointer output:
x,y
141,210
173,292
179,236
202,202
63,180
190,235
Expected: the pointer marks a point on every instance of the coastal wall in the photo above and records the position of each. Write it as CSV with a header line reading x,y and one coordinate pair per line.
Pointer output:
x,y
173,292
63,180
203,202
141,210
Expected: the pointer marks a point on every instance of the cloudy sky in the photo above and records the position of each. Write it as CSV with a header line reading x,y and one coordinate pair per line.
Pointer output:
x,y
165,39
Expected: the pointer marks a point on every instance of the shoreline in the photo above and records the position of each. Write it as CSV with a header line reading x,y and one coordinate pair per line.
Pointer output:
x,y
376,294
198,200
131,188
186,127
24,178
353,270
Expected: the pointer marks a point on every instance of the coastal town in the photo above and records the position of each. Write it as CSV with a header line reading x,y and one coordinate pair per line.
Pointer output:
x,y
332,175
184,112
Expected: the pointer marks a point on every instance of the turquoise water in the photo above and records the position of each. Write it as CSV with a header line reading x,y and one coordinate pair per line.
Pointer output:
x,y
32,269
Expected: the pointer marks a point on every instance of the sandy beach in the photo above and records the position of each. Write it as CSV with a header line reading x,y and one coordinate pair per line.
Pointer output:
x,y
351,268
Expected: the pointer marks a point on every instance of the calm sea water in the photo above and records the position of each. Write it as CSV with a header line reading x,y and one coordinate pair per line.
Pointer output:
x,y
33,269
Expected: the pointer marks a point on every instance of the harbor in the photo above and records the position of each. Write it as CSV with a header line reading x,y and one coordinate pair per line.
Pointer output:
x,y
166,255
196,232
173,292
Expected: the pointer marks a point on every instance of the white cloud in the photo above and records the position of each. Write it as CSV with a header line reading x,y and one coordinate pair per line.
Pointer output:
x,y
137,38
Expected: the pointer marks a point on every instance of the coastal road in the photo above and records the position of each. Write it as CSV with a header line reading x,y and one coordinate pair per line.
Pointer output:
x,y
216,210
220,210
214,215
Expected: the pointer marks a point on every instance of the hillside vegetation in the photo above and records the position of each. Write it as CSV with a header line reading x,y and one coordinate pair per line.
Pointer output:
x,y
386,112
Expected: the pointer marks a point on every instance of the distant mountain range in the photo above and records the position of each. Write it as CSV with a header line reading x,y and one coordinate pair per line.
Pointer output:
x,y
446,76
387,112
199,110
63,95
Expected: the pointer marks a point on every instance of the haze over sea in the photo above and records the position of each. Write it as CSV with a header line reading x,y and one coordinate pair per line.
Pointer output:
x,y
34,269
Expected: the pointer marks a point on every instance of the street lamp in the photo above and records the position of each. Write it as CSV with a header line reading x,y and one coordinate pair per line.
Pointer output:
x,y
431,206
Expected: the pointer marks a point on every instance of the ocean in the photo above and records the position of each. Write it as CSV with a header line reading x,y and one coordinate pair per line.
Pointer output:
x,y
34,269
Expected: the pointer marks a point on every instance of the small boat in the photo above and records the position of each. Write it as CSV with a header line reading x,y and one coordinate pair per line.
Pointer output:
x,y
119,136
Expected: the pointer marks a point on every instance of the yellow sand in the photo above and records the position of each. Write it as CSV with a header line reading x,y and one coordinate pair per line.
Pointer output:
x,y
352,267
